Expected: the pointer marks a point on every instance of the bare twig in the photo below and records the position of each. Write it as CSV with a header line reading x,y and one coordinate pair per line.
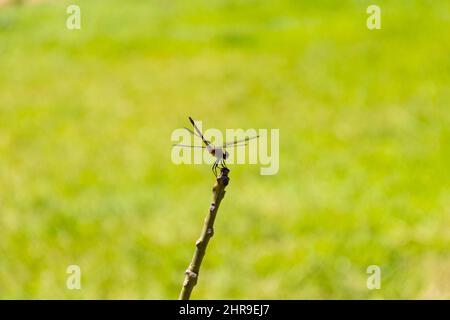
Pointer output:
x,y
192,272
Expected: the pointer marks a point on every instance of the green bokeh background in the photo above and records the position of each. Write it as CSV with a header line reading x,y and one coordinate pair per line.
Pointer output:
x,y
86,176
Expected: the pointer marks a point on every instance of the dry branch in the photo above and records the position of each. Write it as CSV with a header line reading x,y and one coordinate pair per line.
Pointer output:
x,y
192,272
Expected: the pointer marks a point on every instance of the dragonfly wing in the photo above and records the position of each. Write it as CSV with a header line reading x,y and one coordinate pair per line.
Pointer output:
x,y
192,132
198,131
235,145
238,141
187,146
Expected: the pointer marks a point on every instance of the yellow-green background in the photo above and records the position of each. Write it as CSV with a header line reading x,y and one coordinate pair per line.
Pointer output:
x,y
86,176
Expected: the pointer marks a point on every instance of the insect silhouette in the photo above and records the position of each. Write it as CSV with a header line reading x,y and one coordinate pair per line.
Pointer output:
x,y
220,153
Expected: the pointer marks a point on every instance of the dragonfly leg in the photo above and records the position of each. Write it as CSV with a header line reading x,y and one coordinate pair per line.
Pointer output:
x,y
224,165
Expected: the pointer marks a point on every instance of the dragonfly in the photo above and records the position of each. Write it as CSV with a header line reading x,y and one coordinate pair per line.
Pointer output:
x,y
219,152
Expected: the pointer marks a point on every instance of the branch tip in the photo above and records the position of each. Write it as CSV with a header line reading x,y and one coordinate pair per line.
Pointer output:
x,y
191,277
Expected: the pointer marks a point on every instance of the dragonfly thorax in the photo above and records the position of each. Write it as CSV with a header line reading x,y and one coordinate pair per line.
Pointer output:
x,y
219,153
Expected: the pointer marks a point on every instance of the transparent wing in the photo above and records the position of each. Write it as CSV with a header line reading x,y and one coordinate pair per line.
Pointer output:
x,y
239,141
192,132
235,145
207,142
187,146
198,131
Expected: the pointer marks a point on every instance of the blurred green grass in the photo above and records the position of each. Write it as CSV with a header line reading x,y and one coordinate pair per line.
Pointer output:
x,y
85,170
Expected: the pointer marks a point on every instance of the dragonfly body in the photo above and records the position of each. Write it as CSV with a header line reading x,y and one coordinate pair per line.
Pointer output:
x,y
218,152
